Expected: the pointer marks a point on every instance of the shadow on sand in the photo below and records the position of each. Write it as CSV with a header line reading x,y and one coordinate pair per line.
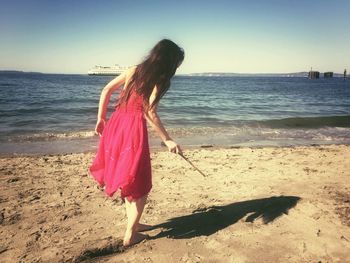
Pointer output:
x,y
104,247
203,221
207,221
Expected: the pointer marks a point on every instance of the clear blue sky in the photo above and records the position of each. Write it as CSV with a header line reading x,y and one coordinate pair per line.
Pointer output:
x,y
218,36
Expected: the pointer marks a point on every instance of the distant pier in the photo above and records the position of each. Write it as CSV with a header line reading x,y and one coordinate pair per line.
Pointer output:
x,y
314,74
328,74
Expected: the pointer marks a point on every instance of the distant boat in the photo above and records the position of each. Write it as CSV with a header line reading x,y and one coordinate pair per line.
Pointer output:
x,y
106,71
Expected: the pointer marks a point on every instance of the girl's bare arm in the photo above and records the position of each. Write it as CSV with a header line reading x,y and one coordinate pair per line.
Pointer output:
x,y
107,92
154,120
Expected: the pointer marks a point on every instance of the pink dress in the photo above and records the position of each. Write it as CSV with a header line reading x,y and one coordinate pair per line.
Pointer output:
x,y
123,158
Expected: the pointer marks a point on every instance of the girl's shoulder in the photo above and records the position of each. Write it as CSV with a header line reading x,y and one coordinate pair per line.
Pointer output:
x,y
131,70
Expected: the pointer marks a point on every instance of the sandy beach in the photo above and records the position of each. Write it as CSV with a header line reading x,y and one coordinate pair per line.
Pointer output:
x,y
270,204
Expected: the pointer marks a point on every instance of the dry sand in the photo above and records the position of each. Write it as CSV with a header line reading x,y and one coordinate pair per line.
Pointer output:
x,y
270,204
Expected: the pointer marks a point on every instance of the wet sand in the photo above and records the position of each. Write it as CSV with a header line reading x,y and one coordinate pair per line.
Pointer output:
x,y
270,204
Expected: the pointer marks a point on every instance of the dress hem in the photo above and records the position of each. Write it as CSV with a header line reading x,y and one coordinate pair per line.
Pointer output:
x,y
120,189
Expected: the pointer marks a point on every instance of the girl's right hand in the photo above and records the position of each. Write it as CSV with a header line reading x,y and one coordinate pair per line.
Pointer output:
x,y
100,125
173,146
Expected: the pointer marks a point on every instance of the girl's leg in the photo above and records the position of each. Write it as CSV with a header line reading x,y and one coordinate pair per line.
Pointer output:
x,y
134,211
139,227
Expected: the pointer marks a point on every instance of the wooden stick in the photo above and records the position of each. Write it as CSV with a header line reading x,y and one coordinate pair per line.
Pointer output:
x,y
181,154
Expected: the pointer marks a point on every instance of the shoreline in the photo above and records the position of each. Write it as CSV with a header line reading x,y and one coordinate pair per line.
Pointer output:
x,y
303,131
294,199
86,141
161,148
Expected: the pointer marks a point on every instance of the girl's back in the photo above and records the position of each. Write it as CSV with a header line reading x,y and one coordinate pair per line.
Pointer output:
x,y
134,104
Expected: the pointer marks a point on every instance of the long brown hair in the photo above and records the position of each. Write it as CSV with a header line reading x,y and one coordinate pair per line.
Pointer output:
x,y
156,69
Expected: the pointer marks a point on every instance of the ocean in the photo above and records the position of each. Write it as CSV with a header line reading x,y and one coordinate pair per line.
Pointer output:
x,y
56,113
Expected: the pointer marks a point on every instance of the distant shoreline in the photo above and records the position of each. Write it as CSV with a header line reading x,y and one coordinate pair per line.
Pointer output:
x,y
201,74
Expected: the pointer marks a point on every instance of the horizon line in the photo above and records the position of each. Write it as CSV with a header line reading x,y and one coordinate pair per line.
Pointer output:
x,y
192,73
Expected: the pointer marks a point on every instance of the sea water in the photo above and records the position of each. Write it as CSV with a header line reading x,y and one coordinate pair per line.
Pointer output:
x,y
50,113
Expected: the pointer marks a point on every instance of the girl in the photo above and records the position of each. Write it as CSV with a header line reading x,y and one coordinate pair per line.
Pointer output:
x,y
123,159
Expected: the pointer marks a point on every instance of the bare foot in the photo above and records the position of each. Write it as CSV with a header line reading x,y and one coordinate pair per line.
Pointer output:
x,y
133,238
143,227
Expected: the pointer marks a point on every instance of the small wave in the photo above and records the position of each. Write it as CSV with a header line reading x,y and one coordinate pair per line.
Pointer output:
x,y
245,132
185,131
309,122
51,136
